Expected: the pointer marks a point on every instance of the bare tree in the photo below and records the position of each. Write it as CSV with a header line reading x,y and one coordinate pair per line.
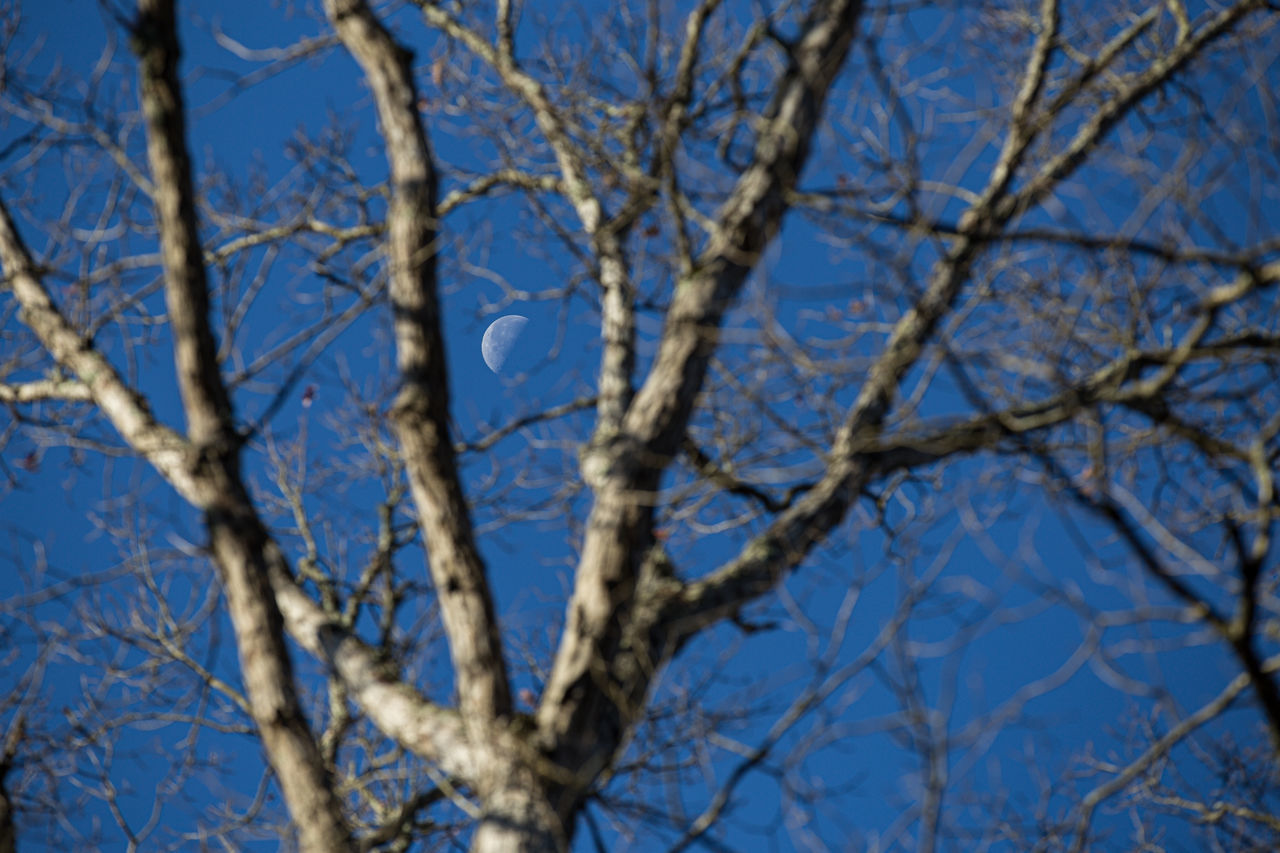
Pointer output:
x,y
1027,279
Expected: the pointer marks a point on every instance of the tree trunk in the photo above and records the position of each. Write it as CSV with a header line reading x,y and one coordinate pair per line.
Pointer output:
x,y
518,818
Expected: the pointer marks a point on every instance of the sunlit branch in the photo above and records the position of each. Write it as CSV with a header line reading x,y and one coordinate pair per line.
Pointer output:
x,y
488,440
126,409
425,729
238,539
716,474
45,389
421,410
790,537
1090,134
501,179
580,691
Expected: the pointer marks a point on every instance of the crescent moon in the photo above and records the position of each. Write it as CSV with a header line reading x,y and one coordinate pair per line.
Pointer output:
x,y
500,338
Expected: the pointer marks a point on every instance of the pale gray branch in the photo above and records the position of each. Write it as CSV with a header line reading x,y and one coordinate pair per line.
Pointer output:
x,y
45,389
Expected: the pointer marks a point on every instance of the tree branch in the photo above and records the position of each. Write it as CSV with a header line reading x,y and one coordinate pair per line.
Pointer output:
x,y
421,410
45,389
168,451
1204,714
1160,71
237,536
618,304
767,558
594,691
420,726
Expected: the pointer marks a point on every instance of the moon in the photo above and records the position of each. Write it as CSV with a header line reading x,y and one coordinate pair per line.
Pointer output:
x,y
500,339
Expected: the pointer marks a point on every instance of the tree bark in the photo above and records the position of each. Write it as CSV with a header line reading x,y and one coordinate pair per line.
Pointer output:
x,y
518,818
421,411
237,536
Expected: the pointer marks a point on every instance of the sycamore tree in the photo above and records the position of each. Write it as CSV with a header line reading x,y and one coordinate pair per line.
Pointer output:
x,y
900,472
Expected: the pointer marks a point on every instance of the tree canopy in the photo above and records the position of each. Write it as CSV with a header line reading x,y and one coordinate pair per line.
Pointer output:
x,y
896,469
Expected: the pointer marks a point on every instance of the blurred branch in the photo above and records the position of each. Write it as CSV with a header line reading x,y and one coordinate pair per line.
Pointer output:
x,y
488,440
1158,749
127,410
45,389
766,559
13,737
